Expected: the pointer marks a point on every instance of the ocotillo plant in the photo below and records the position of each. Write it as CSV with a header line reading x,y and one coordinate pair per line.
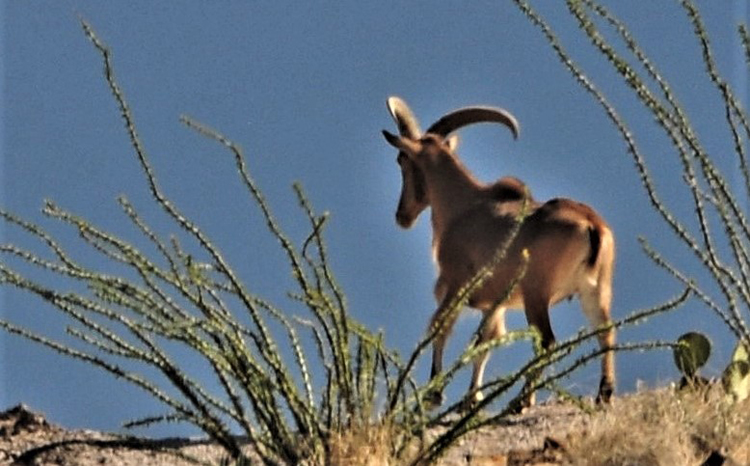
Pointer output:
x,y
202,305
721,241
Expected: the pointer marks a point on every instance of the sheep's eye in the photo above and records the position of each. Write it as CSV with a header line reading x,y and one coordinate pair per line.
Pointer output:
x,y
401,158
429,141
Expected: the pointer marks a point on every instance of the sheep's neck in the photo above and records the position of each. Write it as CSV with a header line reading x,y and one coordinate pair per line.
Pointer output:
x,y
452,190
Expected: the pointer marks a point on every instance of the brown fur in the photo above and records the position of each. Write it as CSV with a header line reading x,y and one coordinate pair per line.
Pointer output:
x,y
571,249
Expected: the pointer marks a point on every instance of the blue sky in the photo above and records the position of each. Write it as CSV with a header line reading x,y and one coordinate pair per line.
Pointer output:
x,y
302,88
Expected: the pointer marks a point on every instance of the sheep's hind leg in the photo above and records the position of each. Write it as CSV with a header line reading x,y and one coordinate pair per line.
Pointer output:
x,y
537,315
595,304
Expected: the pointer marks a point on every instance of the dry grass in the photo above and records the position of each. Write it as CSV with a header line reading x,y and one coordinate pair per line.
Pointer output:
x,y
664,427
367,446
654,427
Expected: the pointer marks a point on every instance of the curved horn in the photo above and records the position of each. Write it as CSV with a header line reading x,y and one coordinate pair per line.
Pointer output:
x,y
469,115
404,118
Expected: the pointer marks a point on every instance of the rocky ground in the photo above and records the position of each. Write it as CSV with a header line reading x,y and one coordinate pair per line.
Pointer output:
x,y
27,438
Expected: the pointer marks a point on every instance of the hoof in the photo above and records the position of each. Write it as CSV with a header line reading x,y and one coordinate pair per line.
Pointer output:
x,y
434,399
606,390
518,408
529,401
524,404
470,401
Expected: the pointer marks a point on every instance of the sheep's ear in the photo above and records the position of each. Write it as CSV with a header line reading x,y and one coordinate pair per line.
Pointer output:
x,y
453,142
392,139
406,145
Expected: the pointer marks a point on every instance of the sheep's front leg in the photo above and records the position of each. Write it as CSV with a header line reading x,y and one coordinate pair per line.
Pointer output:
x,y
442,323
492,327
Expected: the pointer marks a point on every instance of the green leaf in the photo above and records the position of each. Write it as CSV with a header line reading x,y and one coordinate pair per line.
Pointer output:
x,y
691,353
736,380
741,353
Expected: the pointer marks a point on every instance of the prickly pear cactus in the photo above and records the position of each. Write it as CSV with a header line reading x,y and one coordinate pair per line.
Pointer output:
x,y
691,353
736,377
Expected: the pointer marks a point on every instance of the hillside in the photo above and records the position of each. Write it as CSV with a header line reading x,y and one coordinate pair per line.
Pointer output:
x,y
653,427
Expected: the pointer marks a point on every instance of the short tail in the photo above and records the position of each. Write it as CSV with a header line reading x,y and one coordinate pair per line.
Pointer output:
x,y
595,244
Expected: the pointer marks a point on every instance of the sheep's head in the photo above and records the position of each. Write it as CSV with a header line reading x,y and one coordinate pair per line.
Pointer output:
x,y
414,198
430,154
